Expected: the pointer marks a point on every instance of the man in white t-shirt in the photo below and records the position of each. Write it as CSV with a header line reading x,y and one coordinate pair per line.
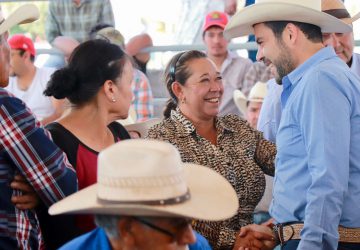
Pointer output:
x,y
27,82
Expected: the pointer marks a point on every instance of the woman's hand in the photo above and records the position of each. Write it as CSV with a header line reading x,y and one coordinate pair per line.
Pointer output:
x,y
29,199
253,237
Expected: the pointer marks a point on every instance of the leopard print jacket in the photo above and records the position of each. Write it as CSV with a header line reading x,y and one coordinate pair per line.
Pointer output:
x,y
241,155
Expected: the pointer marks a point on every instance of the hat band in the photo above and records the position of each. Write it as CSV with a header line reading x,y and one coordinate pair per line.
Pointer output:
x,y
338,13
170,201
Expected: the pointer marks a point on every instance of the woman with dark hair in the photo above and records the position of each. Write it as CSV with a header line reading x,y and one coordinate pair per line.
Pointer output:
x,y
226,144
97,83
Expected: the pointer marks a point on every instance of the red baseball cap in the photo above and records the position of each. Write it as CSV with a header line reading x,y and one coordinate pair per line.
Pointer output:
x,y
215,18
20,41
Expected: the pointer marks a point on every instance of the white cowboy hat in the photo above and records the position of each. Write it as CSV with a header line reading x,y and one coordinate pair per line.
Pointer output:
x,y
147,178
337,9
257,94
142,127
26,13
306,11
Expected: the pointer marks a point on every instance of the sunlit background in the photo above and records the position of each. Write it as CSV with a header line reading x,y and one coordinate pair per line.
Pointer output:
x,y
169,22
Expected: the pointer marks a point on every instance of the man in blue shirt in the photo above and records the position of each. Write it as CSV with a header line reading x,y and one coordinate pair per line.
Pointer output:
x,y
343,44
316,195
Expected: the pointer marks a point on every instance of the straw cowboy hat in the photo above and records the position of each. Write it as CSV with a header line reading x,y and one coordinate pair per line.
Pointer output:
x,y
306,11
147,178
337,9
26,13
257,94
142,127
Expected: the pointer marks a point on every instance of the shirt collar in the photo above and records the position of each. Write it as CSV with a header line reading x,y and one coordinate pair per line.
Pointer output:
x,y
187,127
323,54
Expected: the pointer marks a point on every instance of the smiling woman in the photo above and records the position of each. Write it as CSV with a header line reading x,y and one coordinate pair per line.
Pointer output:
x,y
226,144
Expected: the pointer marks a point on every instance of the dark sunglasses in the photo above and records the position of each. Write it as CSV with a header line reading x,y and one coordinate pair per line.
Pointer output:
x,y
180,224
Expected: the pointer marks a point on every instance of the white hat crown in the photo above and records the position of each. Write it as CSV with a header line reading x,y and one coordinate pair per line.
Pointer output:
x,y
151,171
306,11
311,4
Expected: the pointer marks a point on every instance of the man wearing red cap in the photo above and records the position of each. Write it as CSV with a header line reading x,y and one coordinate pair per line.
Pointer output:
x,y
28,82
232,67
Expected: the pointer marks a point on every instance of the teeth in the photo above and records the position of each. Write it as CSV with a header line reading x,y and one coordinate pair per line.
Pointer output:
x,y
214,100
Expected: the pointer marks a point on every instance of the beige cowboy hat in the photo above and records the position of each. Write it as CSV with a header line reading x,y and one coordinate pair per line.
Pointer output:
x,y
337,9
142,127
257,94
306,11
147,178
26,13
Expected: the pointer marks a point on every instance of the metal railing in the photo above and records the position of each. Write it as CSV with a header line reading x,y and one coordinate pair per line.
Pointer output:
x,y
232,46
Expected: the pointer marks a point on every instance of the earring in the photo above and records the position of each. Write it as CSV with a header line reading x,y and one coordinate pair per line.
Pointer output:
x,y
113,99
183,101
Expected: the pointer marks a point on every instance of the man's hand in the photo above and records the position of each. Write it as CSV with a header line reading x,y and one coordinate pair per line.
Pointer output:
x,y
255,237
28,199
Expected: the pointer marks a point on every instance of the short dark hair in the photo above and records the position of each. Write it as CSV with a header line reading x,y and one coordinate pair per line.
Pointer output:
x,y
311,31
22,52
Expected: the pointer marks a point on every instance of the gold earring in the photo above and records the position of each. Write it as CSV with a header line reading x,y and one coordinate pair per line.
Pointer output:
x,y
183,101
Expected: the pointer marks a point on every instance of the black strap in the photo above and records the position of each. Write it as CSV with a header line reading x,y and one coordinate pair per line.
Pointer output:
x,y
338,13
169,201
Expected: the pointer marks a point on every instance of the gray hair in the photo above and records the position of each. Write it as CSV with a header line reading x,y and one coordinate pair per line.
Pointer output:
x,y
109,224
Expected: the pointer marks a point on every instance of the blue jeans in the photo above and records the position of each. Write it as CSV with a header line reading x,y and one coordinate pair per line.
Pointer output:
x,y
293,244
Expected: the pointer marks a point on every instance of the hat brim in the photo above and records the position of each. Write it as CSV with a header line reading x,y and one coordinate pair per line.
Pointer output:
x,y
26,13
212,199
242,22
222,26
354,18
142,127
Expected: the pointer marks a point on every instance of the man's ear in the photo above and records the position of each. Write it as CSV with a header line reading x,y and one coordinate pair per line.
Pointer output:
x,y
291,33
124,227
26,55
177,89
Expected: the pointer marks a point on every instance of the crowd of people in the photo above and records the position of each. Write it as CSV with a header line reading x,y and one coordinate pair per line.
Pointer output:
x,y
246,155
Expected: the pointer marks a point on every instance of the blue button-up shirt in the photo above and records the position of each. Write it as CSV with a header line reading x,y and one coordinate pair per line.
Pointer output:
x,y
318,142
270,113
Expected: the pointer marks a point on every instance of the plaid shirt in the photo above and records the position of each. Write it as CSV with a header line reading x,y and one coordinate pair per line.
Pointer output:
x,y
67,19
143,98
257,72
26,149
